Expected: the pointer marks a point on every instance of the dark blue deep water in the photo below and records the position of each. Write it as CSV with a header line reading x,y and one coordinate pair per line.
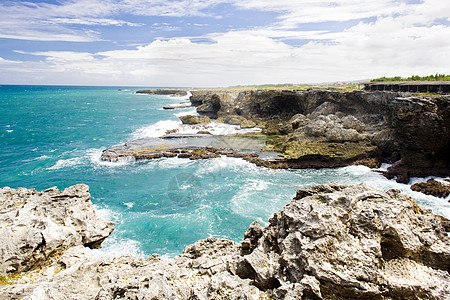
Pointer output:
x,y
54,135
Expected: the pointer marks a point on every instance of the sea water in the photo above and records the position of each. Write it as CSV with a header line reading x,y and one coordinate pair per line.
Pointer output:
x,y
54,135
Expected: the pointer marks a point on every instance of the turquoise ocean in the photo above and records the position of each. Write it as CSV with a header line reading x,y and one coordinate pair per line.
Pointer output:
x,y
54,136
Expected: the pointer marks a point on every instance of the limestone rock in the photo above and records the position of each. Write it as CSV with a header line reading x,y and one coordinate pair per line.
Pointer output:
x,y
432,187
357,242
401,125
298,121
330,242
192,120
37,225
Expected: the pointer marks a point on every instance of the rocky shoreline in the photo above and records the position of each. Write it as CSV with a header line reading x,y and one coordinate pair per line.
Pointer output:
x,y
164,92
330,242
322,129
338,128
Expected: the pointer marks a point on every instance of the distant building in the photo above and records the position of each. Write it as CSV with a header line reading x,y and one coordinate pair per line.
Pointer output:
x,y
441,87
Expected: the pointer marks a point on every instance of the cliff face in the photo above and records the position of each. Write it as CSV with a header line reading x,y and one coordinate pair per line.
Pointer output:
x,y
342,127
330,242
36,226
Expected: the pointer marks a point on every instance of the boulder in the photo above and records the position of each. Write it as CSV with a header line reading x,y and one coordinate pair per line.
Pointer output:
x,y
432,187
192,120
34,226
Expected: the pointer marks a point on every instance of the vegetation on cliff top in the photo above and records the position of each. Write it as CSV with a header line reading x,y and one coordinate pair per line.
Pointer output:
x,y
437,77
290,86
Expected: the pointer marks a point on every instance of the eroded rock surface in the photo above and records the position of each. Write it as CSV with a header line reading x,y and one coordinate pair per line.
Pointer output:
x,y
330,242
34,226
335,128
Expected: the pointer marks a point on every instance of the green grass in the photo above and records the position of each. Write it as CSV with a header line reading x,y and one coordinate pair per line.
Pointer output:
x,y
280,87
436,77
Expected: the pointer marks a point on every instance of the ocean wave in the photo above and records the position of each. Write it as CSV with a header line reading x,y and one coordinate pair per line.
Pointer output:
x,y
63,163
94,156
186,112
359,174
223,163
118,246
185,97
42,157
253,200
173,163
155,130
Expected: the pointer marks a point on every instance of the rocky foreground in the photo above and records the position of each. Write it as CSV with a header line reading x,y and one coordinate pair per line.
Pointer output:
x,y
330,242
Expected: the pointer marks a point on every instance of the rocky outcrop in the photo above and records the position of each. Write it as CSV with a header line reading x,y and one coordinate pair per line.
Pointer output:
x,y
192,120
330,242
350,242
432,187
35,226
164,92
323,125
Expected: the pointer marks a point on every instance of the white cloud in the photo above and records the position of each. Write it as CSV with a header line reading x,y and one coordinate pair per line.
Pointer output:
x,y
401,40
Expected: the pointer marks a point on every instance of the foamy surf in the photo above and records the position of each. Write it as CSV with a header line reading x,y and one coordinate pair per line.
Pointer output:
x,y
64,163
94,157
161,128
359,174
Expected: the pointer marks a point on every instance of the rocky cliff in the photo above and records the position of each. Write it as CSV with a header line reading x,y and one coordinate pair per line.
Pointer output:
x,y
38,226
320,127
330,242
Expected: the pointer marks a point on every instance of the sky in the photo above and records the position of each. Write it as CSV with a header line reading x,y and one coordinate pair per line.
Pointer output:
x,y
216,43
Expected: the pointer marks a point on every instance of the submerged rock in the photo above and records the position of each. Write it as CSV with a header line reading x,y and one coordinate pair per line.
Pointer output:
x,y
432,187
330,242
34,226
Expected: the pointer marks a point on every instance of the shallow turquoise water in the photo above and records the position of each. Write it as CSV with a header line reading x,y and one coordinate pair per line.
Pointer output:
x,y
54,136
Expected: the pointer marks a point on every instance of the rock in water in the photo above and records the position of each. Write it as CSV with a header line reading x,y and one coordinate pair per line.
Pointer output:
x,y
330,242
432,187
35,226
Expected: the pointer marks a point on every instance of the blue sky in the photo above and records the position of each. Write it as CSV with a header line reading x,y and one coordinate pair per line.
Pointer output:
x,y
220,42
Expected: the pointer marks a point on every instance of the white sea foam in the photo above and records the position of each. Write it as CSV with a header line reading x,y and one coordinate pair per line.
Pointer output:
x,y
63,163
357,174
155,130
185,97
9,131
173,163
160,128
106,213
217,165
116,246
128,204
249,203
94,157
42,157
186,112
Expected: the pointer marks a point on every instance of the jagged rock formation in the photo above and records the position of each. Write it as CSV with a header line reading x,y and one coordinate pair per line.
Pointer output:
x,y
165,92
341,127
34,226
330,242
433,187
192,120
